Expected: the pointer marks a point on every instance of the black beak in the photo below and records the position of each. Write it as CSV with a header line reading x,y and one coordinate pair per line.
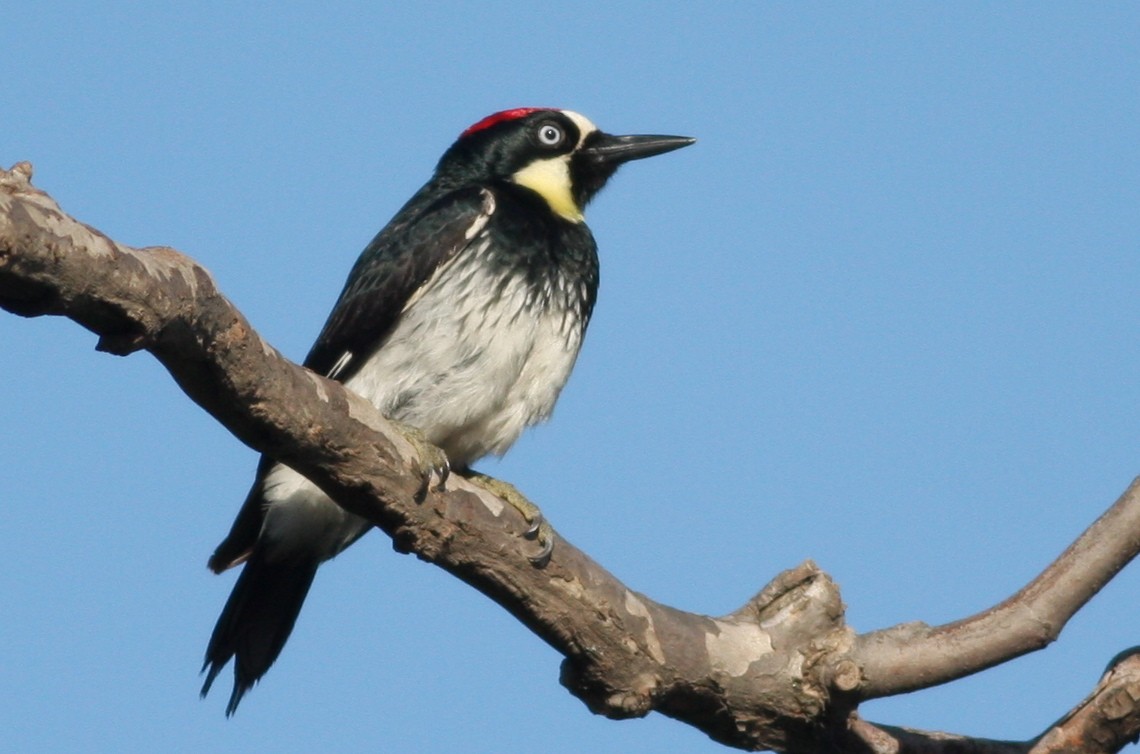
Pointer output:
x,y
614,150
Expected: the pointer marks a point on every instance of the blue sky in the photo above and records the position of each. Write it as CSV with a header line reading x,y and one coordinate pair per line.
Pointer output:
x,y
883,315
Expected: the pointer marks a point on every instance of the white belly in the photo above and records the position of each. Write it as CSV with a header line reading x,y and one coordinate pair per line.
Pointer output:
x,y
471,363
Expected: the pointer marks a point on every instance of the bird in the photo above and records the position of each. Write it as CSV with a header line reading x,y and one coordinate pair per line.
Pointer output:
x,y
460,320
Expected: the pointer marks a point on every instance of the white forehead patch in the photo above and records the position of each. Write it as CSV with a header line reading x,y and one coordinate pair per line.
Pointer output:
x,y
585,127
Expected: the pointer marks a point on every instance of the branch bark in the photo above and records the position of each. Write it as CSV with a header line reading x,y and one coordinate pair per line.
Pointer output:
x,y
783,672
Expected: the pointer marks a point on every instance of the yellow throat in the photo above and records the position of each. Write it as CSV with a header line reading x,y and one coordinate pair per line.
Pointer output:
x,y
550,179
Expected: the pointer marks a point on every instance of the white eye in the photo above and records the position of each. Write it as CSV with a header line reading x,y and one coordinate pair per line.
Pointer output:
x,y
550,134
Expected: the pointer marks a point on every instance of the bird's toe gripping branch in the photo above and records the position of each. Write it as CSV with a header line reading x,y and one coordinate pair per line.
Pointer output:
x,y
539,530
433,462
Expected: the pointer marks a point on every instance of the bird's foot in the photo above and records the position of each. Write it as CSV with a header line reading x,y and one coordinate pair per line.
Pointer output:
x,y
432,461
539,530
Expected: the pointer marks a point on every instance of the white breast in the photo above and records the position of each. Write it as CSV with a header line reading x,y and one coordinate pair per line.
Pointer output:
x,y
475,360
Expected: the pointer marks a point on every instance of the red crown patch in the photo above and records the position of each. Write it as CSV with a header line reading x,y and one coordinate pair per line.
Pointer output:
x,y
500,117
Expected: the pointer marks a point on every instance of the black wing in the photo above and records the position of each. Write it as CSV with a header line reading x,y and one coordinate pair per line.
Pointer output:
x,y
392,268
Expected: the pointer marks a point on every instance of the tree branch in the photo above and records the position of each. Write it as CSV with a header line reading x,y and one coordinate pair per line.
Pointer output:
x,y
782,672
914,656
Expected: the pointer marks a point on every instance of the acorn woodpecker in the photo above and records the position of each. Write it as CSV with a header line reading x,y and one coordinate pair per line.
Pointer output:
x,y
461,319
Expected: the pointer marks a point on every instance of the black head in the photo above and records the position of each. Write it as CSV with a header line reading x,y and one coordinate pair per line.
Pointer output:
x,y
559,154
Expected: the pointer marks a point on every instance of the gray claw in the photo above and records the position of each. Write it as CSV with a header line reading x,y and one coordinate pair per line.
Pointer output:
x,y
444,471
535,527
425,485
543,557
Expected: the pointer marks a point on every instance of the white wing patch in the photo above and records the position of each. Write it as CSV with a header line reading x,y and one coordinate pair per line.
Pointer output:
x,y
340,364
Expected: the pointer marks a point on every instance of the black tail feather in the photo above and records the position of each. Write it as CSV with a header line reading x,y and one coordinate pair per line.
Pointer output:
x,y
256,621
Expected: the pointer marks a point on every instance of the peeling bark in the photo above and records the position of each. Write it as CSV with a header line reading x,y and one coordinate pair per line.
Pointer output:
x,y
783,672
